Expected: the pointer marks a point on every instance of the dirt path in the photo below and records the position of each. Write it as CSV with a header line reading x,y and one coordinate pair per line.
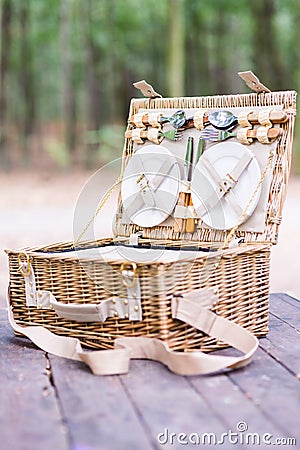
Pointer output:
x,y
38,209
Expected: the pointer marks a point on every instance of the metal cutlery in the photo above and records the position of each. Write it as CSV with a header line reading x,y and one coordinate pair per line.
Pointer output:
x,y
177,120
189,157
223,119
226,120
172,135
220,119
189,222
200,149
184,199
211,134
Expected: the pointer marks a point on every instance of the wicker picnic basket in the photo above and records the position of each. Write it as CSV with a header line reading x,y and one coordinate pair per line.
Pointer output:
x,y
213,288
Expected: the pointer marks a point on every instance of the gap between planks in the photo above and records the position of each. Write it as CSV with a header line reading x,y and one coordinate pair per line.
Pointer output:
x,y
138,414
60,407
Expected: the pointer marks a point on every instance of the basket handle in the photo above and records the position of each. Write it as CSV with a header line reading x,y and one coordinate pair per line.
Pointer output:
x,y
116,361
122,308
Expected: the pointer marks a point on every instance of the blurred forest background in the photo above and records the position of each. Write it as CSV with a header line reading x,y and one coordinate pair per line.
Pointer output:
x,y
67,67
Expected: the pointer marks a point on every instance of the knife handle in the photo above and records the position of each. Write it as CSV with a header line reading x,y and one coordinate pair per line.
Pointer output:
x,y
189,223
178,222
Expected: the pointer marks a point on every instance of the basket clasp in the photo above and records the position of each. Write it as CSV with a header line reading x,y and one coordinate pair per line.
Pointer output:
x,y
128,271
21,262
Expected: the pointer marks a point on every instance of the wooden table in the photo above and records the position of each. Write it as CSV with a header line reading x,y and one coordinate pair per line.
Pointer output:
x,y
52,403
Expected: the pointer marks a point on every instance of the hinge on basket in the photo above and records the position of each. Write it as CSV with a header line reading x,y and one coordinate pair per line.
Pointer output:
x,y
146,89
253,82
235,242
134,238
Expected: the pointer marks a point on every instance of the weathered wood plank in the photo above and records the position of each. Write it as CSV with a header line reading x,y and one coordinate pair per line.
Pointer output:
x,y
286,308
231,404
130,411
29,413
98,412
168,404
274,391
287,298
229,400
283,343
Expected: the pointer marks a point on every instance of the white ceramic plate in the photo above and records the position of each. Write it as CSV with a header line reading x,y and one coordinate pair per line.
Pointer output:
x,y
226,212
150,161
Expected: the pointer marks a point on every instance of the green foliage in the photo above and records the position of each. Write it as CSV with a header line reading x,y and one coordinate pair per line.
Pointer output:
x,y
116,42
109,140
58,152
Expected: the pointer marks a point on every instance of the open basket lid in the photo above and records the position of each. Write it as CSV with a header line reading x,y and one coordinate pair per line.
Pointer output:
x,y
272,192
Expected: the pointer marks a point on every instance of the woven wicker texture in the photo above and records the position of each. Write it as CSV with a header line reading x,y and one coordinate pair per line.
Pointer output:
x,y
241,277
286,99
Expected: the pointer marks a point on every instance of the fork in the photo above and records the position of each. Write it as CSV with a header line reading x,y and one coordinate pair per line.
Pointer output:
x,y
172,135
211,134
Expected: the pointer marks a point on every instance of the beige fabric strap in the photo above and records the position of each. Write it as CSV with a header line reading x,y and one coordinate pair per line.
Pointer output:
x,y
242,135
225,185
30,286
140,200
138,120
136,135
153,135
243,118
154,119
199,119
109,362
262,135
264,117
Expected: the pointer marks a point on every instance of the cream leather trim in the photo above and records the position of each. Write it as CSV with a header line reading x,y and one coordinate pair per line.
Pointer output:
x,y
122,308
30,287
108,362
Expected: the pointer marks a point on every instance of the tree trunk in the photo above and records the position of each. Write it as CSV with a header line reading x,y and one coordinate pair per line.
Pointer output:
x,y
68,97
4,70
27,80
176,49
111,67
267,62
221,54
95,113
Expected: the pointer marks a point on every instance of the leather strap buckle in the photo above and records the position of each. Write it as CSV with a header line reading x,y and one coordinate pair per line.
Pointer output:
x,y
227,183
128,271
21,264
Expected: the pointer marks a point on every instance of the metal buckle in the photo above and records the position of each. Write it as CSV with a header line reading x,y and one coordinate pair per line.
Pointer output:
x,y
143,182
131,266
231,178
140,178
20,256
